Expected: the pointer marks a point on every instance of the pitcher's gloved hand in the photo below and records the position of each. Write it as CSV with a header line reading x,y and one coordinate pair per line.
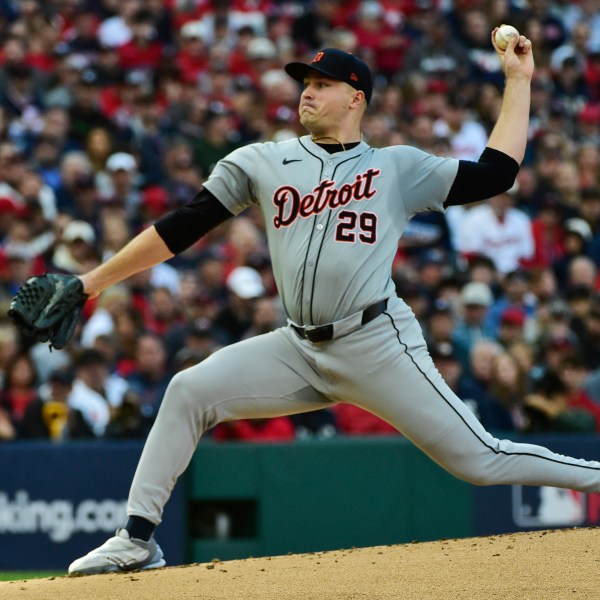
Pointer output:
x,y
47,307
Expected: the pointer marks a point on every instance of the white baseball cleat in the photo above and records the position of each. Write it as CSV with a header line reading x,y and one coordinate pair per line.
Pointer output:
x,y
119,553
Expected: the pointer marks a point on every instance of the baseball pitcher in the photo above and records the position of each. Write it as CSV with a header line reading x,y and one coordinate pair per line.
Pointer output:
x,y
334,210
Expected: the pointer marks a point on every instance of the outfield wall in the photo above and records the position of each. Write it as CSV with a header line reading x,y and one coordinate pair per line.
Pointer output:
x,y
238,500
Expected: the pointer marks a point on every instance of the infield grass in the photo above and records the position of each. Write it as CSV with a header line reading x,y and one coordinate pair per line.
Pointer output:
x,y
17,575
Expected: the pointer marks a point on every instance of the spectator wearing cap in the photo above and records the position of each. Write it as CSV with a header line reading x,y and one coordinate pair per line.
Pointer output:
x,y
427,239
192,56
86,109
192,343
515,294
80,37
577,234
587,125
96,393
116,31
219,139
498,230
49,416
440,323
77,249
475,300
244,286
262,56
119,184
570,88
512,327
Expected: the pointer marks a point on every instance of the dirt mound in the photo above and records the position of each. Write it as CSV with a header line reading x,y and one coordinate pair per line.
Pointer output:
x,y
540,565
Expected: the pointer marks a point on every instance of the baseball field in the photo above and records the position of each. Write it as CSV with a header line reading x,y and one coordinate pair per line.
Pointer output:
x,y
541,565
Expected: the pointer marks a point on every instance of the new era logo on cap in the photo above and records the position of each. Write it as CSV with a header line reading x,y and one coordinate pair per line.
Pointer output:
x,y
337,64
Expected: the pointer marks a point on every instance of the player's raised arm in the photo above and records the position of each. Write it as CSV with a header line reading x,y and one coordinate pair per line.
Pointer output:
x,y
510,132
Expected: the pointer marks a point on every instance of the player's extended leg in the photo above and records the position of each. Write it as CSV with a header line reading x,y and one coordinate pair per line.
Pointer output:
x,y
264,376
259,377
401,385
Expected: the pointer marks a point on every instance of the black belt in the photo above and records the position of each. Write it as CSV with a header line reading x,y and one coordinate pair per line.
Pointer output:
x,y
324,333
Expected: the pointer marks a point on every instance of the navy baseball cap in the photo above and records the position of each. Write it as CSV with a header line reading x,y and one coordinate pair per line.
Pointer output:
x,y
337,64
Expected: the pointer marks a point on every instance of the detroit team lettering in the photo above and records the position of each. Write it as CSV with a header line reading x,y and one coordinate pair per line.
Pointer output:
x,y
291,205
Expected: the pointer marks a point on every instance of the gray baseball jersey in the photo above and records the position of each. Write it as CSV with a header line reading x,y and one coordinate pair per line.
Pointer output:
x,y
333,223
333,220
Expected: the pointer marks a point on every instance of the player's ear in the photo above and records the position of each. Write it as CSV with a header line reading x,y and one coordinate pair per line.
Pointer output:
x,y
357,98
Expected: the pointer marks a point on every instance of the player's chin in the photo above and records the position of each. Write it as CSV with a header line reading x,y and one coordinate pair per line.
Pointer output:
x,y
307,118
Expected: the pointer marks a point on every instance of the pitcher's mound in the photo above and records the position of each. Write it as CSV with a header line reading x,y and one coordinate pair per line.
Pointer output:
x,y
541,565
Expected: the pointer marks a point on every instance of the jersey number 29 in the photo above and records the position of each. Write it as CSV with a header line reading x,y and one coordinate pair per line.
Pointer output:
x,y
347,231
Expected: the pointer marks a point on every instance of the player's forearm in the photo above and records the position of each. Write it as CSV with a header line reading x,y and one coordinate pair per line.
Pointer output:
x,y
142,252
510,132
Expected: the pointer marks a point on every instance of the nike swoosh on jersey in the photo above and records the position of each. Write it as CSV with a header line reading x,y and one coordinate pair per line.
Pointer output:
x,y
287,161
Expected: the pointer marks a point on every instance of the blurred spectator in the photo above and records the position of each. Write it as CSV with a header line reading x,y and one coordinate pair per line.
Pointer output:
x,y
577,233
164,311
235,319
119,184
96,393
508,386
19,388
499,231
108,306
548,410
440,323
219,139
475,300
49,415
512,324
149,378
466,135
277,429
438,55
266,316
353,420
77,250
516,295
116,31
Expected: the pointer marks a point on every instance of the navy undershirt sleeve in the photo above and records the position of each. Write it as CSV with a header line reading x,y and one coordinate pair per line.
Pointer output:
x,y
494,173
184,226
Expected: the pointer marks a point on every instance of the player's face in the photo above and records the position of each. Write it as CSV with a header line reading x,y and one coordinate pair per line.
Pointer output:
x,y
324,102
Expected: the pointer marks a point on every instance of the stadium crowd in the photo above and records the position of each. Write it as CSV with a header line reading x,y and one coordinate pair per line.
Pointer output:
x,y
115,111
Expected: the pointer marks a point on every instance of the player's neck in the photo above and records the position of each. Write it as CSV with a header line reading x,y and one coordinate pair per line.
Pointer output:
x,y
331,140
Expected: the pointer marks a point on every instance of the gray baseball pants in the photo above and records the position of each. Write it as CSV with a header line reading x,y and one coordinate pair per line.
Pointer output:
x,y
383,367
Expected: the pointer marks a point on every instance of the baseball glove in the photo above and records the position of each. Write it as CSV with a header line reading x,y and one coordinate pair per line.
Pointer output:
x,y
47,308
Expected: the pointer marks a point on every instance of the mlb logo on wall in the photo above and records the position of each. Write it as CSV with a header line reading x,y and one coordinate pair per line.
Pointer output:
x,y
547,507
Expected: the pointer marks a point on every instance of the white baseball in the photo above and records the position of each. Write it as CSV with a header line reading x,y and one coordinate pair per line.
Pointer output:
x,y
503,35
